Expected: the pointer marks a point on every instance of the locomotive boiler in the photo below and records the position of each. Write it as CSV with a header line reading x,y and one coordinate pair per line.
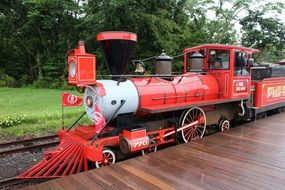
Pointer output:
x,y
138,113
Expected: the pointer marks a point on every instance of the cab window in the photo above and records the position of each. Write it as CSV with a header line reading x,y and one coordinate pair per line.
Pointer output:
x,y
241,68
219,59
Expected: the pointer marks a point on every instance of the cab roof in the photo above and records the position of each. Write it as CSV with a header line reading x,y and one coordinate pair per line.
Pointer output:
x,y
221,46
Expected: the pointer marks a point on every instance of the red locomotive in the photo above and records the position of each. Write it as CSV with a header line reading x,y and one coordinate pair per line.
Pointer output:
x,y
142,112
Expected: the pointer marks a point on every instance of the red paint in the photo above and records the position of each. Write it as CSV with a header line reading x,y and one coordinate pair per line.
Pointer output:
x,y
85,132
70,100
189,88
138,139
85,66
94,153
225,77
116,35
240,86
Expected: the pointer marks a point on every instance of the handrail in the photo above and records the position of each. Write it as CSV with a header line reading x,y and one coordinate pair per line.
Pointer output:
x,y
76,121
115,112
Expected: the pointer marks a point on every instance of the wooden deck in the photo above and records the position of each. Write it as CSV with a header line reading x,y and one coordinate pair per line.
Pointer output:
x,y
251,156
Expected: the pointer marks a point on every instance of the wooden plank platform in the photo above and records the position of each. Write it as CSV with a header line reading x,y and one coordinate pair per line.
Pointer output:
x,y
251,156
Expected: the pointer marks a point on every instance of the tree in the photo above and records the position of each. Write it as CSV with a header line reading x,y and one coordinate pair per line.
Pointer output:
x,y
196,29
40,31
36,34
228,13
214,20
265,33
159,24
260,32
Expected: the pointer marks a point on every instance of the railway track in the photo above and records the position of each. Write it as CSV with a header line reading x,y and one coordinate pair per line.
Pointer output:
x,y
11,182
17,183
28,144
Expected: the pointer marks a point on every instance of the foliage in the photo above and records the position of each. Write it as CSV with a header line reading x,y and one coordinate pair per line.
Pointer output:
x,y
49,82
9,121
271,54
264,32
6,80
36,34
261,32
159,25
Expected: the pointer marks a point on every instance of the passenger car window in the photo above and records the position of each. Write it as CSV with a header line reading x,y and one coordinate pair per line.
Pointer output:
x,y
219,59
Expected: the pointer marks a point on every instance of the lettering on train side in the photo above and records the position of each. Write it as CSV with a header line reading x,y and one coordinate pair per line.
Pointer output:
x,y
276,91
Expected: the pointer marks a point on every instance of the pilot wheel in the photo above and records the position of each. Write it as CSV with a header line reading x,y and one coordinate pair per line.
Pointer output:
x,y
108,158
152,148
224,125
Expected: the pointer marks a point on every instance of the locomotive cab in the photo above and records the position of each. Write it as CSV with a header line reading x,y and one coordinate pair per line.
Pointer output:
x,y
230,65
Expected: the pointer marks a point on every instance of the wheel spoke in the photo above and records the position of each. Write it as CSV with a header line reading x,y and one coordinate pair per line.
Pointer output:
x,y
189,137
188,120
192,134
189,131
200,131
196,134
194,115
191,119
187,134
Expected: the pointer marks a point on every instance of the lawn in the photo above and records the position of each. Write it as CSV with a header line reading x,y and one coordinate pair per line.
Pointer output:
x,y
30,111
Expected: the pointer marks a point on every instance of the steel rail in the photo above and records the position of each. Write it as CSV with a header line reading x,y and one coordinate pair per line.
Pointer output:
x,y
11,182
24,141
27,148
14,181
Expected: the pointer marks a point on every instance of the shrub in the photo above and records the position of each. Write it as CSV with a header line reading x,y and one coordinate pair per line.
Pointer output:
x,y
7,81
9,121
65,86
46,82
24,80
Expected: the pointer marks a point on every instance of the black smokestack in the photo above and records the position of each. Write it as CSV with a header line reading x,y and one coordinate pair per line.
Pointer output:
x,y
118,48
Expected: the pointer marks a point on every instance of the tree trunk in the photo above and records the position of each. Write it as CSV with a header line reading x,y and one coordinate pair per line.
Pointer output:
x,y
39,65
31,69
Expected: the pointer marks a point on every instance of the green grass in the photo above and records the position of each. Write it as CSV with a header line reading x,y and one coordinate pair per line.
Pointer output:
x,y
33,111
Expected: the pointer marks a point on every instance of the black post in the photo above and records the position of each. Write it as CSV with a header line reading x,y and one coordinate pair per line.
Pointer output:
x,y
76,121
